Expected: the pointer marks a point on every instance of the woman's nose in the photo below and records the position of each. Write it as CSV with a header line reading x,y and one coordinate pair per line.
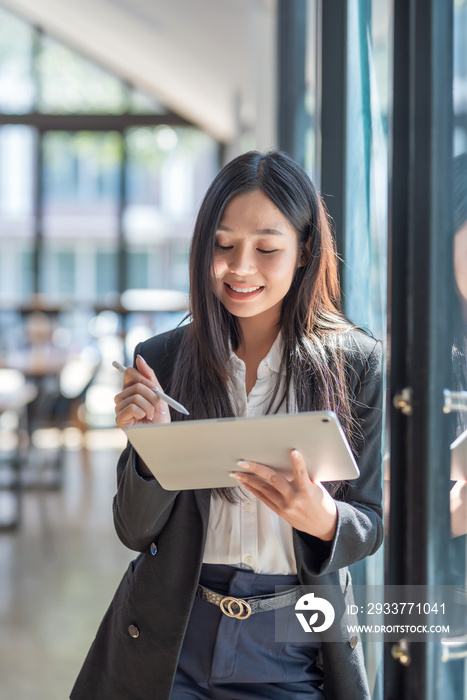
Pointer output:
x,y
242,261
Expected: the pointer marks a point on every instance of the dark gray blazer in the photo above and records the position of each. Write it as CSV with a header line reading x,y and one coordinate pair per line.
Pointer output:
x,y
135,652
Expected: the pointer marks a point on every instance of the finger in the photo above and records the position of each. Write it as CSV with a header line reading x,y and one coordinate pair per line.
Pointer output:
x,y
142,373
301,475
132,376
129,415
253,481
257,486
271,476
137,389
140,404
149,374
263,497
131,394
269,491
132,411
138,393
147,371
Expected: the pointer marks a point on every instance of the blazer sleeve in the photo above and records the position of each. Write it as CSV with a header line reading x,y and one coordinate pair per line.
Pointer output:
x,y
359,531
141,507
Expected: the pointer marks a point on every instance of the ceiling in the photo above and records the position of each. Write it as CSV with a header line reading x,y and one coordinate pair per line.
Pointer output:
x,y
210,61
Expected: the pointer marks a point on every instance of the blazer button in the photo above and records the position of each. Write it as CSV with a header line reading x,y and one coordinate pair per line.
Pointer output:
x,y
153,548
353,642
134,631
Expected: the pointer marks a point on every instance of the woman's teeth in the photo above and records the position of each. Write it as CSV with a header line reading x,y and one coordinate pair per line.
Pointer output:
x,y
244,291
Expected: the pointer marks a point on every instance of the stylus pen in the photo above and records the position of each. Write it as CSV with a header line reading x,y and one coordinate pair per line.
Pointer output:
x,y
168,400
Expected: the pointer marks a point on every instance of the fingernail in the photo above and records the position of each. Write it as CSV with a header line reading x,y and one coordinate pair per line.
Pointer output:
x,y
142,358
234,475
243,464
295,453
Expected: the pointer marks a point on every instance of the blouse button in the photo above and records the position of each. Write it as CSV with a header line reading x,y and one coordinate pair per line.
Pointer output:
x,y
353,642
153,548
134,631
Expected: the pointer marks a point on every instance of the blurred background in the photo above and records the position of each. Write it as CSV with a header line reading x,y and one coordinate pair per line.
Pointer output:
x,y
115,115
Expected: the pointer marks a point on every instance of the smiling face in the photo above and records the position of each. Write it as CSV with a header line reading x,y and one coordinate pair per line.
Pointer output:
x,y
255,258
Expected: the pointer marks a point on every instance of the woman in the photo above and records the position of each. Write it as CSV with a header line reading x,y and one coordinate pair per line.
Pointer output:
x,y
266,336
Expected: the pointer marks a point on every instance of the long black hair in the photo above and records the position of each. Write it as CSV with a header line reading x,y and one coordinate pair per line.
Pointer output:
x,y
311,321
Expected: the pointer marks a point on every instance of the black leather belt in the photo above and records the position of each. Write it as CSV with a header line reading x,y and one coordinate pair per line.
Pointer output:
x,y
241,608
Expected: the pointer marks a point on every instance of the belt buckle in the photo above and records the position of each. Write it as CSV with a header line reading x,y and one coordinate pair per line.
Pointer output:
x,y
243,611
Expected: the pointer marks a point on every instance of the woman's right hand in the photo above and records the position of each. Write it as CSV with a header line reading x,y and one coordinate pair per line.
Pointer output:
x,y
137,404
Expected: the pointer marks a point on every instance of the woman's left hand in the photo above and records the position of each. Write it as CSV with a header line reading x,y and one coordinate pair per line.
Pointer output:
x,y
303,503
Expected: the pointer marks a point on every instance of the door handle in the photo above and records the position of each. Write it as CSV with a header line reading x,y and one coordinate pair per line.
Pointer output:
x,y
454,648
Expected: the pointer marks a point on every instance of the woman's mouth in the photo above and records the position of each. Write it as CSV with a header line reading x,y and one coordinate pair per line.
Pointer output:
x,y
242,293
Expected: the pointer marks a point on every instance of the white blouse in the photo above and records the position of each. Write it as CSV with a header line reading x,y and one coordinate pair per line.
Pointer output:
x,y
248,534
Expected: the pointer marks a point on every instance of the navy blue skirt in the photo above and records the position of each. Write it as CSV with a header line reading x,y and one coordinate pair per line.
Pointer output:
x,y
223,658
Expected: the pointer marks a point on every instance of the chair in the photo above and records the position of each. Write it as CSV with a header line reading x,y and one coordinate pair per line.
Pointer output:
x,y
58,404
15,395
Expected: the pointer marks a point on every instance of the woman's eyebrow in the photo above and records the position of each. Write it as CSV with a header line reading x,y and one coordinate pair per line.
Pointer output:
x,y
259,232
269,231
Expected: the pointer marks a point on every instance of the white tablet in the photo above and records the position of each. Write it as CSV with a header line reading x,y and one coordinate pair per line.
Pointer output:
x,y
459,457
199,454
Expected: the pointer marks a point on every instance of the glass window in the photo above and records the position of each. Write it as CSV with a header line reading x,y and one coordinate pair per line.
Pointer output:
x,y
26,273
142,103
366,216
69,249
17,88
81,184
16,181
367,165
81,189
106,272
16,271
312,95
59,272
138,270
179,268
168,172
460,77
17,224
70,83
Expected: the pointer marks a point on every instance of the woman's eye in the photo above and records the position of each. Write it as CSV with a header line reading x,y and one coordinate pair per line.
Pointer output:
x,y
266,252
223,247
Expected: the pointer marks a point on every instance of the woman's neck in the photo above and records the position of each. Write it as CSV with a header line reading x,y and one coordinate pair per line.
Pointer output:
x,y
255,344
256,339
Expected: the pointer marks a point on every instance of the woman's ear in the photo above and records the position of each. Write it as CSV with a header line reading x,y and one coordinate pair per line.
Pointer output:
x,y
305,253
